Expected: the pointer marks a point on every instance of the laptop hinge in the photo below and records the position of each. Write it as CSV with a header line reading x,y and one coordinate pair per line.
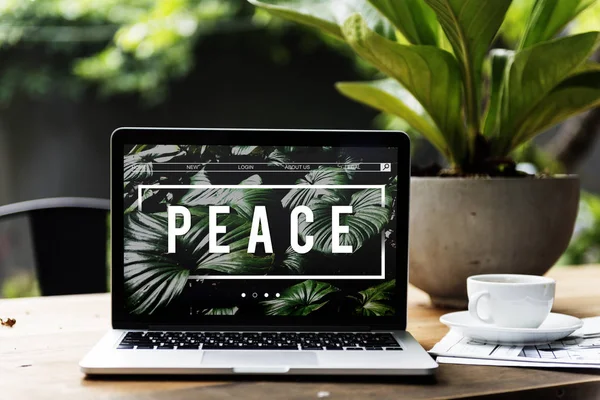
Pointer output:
x,y
257,328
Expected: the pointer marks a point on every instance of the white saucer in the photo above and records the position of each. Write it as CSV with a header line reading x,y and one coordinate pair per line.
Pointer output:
x,y
555,327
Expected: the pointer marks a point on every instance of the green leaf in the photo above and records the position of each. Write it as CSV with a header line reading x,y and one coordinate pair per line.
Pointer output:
x,y
373,301
471,26
154,277
293,261
533,74
147,193
588,66
320,176
278,158
368,219
575,95
389,96
199,178
431,75
238,261
549,17
300,299
499,60
139,166
243,201
243,150
221,311
326,15
413,18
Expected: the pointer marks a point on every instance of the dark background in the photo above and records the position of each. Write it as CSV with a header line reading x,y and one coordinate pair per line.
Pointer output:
x,y
241,68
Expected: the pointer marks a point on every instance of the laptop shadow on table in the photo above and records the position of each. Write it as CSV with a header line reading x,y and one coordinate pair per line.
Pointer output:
x,y
398,379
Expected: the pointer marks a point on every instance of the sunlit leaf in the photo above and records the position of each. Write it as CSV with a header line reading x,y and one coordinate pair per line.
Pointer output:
x,y
431,75
534,73
471,26
575,95
413,18
327,15
389,96
549,17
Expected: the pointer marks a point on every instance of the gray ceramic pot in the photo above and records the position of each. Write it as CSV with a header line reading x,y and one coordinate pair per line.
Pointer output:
x,y
462,227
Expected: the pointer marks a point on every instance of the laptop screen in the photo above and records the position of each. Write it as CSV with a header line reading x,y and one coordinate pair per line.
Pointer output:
x,y
302,231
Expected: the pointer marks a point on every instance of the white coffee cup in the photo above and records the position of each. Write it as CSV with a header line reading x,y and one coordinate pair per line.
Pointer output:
x,y
510,300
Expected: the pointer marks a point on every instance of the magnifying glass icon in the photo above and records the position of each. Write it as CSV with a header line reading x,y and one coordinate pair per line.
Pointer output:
x,y
385,167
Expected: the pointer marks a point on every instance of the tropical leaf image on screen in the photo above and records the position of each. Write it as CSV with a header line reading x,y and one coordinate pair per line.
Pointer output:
x,y
242,201
293,262
154,277
155,280
374,301
367,219
221,311
321,176
143,165
301,299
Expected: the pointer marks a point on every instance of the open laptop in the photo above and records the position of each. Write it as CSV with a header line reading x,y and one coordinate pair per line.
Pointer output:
x,y
253,251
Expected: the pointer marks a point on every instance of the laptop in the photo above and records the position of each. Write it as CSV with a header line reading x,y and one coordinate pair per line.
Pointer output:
x,y
254,251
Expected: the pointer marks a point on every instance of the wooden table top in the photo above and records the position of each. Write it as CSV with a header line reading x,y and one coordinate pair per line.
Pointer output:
x,y
39,357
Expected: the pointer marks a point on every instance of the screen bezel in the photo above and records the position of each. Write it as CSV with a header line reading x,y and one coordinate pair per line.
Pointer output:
x,y
269,137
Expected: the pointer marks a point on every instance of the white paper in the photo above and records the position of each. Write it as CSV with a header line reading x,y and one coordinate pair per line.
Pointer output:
x,y
580,350
506,363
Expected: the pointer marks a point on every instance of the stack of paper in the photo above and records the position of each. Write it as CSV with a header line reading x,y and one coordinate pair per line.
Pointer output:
x,y
580,350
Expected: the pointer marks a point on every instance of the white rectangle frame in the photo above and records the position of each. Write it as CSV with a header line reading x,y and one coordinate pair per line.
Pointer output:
x,y
141,188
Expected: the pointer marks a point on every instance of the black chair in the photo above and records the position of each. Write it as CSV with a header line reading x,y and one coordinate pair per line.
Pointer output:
x,y
69,239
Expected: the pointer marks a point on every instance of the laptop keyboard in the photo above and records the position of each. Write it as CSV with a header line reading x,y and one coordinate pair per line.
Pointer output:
x,y
357,341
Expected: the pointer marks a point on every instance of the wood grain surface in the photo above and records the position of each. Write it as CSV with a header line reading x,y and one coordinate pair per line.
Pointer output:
x,y
39,357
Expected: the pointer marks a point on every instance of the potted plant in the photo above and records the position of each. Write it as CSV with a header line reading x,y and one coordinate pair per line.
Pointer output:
x,y
480,215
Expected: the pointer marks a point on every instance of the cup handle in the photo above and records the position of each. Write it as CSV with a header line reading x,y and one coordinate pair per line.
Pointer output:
x,y
474,302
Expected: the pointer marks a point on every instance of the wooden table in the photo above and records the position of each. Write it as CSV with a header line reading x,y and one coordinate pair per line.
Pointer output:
x,y
39,356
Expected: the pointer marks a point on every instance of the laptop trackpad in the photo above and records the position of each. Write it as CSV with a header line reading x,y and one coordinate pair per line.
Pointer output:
x,y
270,359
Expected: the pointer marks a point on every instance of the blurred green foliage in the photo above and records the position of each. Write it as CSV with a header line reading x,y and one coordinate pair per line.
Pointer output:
x,y
515,20
124,46
585,244
140,46
21,285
